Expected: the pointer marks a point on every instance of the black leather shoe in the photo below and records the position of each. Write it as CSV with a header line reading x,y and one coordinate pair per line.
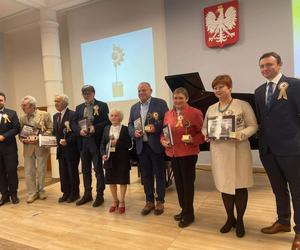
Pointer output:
x,y
230,223
177,217
4,200
63,198
14,199
85,198
73,198
98,201
240,229
185,222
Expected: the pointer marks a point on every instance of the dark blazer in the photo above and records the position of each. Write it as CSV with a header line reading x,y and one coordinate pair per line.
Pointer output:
x,y
279,125
70,150
156,105
9,130
100,121
122,155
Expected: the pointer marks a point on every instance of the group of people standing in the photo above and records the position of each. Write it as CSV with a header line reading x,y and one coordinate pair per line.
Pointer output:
x,y
104,142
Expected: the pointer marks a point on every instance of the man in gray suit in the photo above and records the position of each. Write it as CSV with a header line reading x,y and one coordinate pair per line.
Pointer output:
x,y
35,157
145,126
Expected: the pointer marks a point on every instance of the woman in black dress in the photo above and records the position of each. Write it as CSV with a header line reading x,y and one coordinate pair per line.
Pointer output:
x,y
115,155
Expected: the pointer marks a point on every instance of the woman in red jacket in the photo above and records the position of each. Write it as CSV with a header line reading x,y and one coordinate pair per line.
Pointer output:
x,y
181,139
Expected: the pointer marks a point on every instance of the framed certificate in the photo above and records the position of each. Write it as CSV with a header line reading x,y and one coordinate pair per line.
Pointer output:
x,y
220,127
168,134
28,130
47,141
137,123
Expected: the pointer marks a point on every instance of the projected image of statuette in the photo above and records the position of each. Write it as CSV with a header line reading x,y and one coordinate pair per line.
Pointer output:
x,y
117,58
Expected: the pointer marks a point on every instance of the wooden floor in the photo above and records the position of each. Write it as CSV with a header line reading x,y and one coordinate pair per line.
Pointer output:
x,y
49,225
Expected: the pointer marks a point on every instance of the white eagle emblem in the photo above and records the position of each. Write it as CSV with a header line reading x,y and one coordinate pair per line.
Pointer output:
x,y
221,26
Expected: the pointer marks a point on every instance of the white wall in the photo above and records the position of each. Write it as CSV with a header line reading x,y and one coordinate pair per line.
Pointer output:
x,y
114,17
265,25
2,71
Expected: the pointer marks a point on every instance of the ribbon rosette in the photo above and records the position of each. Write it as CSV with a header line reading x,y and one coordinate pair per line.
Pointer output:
x,y
179,121
42,123
283,87
96,110
155,115
67,125
6,119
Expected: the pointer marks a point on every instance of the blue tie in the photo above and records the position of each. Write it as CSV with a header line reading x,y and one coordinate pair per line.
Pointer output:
x,y
269,94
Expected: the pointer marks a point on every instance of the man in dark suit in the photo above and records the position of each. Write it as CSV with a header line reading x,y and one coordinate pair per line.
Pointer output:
x,y
95,113
9,128
278,111
145,126
67,151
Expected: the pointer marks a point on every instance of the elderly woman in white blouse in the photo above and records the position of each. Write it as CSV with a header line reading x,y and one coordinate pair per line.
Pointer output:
x,y
231,159
115,155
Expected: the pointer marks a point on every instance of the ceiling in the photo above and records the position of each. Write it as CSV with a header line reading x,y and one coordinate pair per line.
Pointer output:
x,y
9,8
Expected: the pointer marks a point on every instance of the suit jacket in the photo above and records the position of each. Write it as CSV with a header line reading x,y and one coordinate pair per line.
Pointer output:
x,y
42,121
156,105
100,121
121,158
279,125
70,150
9,130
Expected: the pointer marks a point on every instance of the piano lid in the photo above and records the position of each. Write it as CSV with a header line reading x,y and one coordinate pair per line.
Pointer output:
x,y
198,97
192,82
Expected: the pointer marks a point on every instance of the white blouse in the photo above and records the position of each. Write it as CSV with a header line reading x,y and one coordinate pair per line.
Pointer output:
x,y
115,131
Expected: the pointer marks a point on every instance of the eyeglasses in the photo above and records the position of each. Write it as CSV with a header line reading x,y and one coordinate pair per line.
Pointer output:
x,y
87,93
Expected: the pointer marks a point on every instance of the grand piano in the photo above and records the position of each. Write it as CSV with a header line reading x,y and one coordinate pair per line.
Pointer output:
x,y
201,99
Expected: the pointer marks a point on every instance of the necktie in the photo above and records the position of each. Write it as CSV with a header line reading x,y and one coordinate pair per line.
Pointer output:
x,y
59,120
269,94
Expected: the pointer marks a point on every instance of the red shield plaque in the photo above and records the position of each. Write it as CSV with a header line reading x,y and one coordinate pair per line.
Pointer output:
x,y
221,24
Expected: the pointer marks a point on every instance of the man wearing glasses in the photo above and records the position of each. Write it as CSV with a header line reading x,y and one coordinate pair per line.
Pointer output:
x,y
90,119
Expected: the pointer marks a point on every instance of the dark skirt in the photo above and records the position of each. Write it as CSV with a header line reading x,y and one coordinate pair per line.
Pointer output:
x,y
119,173
115,176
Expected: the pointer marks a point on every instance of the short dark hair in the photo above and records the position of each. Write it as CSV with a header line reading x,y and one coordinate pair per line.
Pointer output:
x,y
2,94
222,79
182,91
88,88
274,54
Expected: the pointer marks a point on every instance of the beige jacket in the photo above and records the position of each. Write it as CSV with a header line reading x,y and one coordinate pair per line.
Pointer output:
x,y
232,160
42,121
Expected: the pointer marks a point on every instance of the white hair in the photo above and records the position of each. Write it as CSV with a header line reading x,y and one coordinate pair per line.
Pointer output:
x,y
64,98
30,99
120,112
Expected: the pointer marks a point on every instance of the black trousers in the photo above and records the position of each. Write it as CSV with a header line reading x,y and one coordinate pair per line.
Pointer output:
x,y
91,154
184,169
152,166
284,176
8,173
69,175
